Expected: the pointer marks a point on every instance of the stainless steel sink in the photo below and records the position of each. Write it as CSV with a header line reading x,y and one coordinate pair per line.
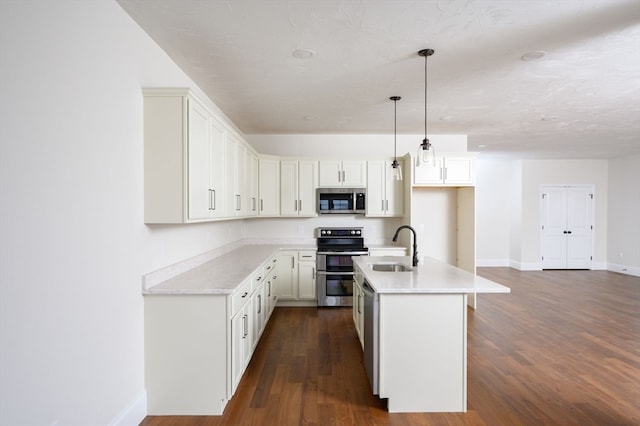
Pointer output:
x,y
390,267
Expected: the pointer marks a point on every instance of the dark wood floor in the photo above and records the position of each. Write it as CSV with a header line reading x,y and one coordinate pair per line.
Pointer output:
x,y
562,349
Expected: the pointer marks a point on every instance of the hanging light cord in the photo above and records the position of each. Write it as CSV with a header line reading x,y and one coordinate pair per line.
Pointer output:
x,y
425,97
395,127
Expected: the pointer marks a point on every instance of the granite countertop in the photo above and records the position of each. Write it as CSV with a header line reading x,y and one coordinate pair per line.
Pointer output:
x,y
430,276
223,274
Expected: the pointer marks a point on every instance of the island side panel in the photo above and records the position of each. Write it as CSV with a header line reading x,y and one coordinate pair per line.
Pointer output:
x,y
186,340
423,352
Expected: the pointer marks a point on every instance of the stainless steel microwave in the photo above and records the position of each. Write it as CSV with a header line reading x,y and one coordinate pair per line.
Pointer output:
x,y
341,200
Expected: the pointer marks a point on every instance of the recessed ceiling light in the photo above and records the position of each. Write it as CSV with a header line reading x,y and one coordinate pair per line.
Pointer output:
x,y
303,53
533,56
446,117
482,146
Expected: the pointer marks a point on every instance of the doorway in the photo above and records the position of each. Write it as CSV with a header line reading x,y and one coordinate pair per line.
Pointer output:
x,y
566,235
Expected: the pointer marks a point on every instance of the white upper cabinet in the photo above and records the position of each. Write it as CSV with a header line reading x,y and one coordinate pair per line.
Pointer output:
x,y
385,196
251,184
184,146
449,170
236,178
298,188
342,173
269,186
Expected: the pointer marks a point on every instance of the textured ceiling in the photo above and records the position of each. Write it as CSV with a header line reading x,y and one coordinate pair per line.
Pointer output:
x,y
581,100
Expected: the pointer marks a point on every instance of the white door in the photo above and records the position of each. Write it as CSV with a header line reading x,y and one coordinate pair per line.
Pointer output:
x,y
567,227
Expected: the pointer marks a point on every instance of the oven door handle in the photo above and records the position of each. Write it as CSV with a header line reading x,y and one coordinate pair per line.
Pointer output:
x,y
344,253
333,273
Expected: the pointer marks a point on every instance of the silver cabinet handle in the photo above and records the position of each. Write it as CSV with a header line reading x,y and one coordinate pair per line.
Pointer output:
x,y
339,178
212,199
253,203
313,273
245,327
441,174
269,288
261,205
292,262
238,201
295,205
299,205
445,173
259,303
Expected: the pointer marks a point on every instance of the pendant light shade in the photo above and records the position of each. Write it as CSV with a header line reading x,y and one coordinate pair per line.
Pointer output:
x,y
426,152
396,168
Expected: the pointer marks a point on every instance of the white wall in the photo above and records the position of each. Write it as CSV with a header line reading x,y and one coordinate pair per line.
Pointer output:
x,y
562,172
73,246
494,209
623,254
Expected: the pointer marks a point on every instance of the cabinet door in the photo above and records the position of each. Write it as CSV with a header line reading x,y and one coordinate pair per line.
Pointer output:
x,y
269,187
270,295
330,173
385,196
428,174
307,178
199,151
218,170
251,184
241,344
289,188
307,280
376,197
458,171
258,310
394,192
354,173
287,273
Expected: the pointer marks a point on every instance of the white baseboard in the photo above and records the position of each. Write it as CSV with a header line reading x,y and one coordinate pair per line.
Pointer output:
x,y
490,263
529,266
132,415
623,269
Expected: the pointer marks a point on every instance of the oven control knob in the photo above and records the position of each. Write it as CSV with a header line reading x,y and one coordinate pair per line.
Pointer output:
x,y
328,232
353,232
358,232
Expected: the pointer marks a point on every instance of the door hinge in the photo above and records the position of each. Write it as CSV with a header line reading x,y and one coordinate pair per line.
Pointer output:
x,y
543,227
544,195
591,226
591,257
591,195
542,257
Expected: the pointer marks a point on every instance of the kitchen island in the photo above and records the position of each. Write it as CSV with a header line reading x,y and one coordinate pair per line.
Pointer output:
x,y
415,334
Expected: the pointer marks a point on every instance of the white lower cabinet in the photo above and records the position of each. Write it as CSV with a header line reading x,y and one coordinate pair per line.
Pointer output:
x,y
241,343
358,306
296,274
258,314
197,347
287,272
307,275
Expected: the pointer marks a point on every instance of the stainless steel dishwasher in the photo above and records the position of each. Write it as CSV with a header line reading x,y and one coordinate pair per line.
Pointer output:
x,y
371,332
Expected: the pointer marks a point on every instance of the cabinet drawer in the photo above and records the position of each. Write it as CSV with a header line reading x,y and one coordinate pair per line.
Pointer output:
x,y
269,267
241,296
306,255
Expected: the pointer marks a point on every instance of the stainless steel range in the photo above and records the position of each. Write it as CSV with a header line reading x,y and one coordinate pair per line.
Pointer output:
x,y
336,246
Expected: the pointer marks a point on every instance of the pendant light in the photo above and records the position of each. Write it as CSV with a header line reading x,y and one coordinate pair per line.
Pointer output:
x,y
426,152
396,168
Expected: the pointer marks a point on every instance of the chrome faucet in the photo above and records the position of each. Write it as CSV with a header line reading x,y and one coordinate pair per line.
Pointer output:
x,y
415,242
